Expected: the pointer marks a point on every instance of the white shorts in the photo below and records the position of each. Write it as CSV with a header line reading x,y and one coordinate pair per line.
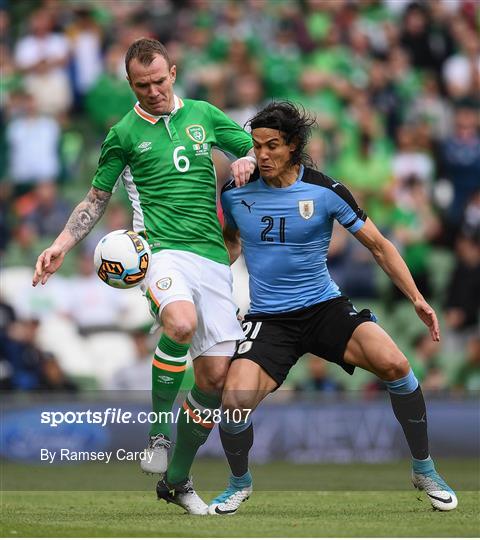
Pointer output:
x,y
180,275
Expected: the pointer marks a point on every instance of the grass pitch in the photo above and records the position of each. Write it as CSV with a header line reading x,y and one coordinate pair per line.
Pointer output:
x,y
269,513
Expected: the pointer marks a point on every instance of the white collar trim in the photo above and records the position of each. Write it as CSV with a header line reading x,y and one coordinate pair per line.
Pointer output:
x,y
151,118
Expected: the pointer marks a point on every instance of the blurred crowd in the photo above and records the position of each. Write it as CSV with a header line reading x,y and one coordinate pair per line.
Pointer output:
x,y
394,86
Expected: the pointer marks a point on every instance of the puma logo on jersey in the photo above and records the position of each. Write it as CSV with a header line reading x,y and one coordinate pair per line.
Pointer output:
x,y
144,146
249,206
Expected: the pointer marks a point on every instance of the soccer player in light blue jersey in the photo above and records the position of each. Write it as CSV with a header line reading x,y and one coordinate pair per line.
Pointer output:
x,y
282,219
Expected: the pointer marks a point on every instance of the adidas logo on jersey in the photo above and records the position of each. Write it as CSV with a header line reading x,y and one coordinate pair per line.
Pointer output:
x,y
144,146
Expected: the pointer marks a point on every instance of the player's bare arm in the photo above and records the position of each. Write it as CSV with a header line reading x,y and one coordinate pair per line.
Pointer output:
x,y
243,168
81,222
392,263
86,215
233,243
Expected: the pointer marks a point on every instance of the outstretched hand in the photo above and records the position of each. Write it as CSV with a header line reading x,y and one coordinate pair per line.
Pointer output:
x,y
242,169
428,317
48,262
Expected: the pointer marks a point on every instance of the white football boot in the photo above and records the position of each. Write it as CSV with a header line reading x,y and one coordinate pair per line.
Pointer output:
x,y
426,478
183,495
155,457
237,492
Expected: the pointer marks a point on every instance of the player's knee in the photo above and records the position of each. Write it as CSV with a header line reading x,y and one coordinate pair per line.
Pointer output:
x,y
211,382
393,366
180,331
236,400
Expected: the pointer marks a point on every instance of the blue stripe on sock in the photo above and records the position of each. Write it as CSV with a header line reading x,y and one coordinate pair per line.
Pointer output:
x,y
405,385
235,427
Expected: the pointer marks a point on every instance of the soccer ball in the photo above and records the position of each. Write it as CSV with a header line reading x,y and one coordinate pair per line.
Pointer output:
x,y
121,259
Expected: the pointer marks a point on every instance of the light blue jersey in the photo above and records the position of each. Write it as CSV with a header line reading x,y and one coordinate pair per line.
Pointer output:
x,y
285,235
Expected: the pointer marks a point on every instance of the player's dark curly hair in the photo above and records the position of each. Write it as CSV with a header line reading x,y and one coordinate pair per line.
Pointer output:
x,y
293,121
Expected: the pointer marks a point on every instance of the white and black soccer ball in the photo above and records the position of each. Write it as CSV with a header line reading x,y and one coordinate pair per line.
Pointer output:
x,y
121,259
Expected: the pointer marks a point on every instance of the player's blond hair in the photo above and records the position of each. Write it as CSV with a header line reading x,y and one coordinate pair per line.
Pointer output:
x,y
145,50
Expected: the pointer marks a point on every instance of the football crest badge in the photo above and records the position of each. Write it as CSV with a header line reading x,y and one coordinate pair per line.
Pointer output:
x,y
306,209
164,283
196,132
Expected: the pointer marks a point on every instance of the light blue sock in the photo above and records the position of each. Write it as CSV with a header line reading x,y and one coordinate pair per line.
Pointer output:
x,y
405,385
235,427
422,466
240,482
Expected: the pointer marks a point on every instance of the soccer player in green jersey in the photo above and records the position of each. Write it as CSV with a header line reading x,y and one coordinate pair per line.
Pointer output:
x,y
161,151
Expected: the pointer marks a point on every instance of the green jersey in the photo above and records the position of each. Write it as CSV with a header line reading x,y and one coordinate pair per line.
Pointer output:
x,y
166,165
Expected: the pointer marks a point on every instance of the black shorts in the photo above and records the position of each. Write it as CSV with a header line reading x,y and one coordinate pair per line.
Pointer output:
x,y
276,341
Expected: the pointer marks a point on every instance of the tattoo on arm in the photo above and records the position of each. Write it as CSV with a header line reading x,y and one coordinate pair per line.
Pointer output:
x,y
87,213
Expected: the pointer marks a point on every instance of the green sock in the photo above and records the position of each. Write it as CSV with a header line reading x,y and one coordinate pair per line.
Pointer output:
x,y
168,369
193,430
